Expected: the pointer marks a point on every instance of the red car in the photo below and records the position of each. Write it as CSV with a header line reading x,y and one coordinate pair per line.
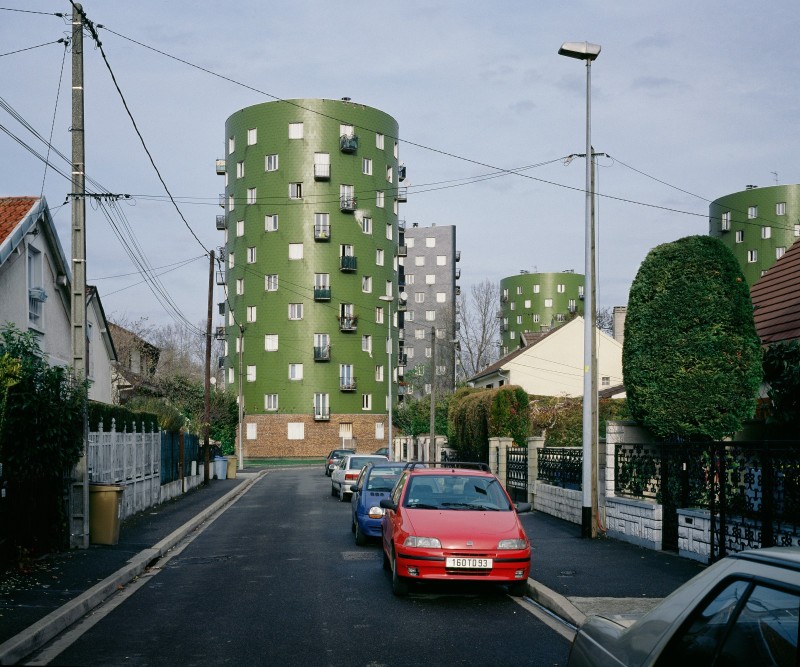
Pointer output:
x,y
454,523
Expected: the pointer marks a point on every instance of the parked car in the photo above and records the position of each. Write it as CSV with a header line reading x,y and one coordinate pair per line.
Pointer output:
x,y
334,457
454,523
374,483
383,451
743,610
346,473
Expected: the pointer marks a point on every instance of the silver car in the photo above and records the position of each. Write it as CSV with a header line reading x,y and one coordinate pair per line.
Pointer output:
x,y
346,473
743,610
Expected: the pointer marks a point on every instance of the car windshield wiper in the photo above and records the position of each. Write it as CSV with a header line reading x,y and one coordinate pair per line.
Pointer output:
x,y
422,506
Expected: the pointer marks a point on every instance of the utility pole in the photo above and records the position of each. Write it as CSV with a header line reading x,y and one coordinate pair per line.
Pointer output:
x,y
432,440
593,316
79,505
207,412
241,398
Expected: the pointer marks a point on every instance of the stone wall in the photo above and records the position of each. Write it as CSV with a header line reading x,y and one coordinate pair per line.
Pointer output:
x,y
320,437
635,521
557,501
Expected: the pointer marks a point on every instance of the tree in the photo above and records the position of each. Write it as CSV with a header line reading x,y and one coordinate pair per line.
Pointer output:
x,y
480,328
691,357
782,375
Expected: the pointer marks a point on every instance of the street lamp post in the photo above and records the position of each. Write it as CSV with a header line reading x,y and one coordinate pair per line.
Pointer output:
x,y
587,52
389,376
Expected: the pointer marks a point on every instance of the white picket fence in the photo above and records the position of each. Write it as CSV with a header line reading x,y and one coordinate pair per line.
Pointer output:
x,y
129,459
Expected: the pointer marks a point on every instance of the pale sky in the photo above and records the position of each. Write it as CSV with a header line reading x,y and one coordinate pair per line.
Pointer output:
x,y
687,97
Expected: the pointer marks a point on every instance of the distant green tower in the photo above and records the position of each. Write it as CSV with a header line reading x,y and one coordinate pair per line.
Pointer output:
x,y
757,224
536,302
311,240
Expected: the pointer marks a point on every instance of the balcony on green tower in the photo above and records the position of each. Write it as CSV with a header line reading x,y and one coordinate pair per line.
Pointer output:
x,y
322,353
347,203
322,171
322,232
322,294
348,143
348,322
348,263
347,383
322,414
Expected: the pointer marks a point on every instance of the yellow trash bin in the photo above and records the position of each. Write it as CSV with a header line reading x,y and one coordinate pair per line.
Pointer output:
x,y
105,513
232,467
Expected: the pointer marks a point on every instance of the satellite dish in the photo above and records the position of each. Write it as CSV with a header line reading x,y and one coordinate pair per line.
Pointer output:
x,y
403,296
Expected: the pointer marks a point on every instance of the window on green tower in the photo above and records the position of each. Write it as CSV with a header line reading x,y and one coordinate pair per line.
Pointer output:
x,y
295,130
271,222
271,402
780,208
270,342
271,162
295,371
252,136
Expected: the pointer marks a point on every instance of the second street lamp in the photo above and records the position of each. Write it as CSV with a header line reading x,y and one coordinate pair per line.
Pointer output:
x,y
587,52
389,375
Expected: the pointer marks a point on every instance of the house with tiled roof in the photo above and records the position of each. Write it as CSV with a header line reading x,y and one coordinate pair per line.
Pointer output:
x,y
35,281
776,299
551,363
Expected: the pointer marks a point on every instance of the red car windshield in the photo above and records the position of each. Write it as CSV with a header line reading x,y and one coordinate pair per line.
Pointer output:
x,y
456,492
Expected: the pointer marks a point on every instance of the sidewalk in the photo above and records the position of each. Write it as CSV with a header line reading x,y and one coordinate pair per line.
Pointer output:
x,y
570,576
575,577
64,586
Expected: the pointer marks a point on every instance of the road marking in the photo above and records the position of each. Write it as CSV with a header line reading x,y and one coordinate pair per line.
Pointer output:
x,y
552,621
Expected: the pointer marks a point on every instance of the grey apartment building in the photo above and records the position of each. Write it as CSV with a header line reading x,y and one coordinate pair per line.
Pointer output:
x,y
430,273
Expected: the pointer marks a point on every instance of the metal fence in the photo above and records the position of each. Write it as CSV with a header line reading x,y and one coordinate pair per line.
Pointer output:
x,y
561,466
171,455
751,489
517,472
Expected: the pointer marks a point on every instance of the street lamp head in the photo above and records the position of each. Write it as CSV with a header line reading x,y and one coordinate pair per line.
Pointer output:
x,y
386,297
580,50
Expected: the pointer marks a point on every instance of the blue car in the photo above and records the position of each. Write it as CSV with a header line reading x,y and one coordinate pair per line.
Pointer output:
x,y
375,482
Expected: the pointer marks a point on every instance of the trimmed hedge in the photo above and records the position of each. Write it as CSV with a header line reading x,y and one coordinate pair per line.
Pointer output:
x,y
560,419
691,357
125,419
475,415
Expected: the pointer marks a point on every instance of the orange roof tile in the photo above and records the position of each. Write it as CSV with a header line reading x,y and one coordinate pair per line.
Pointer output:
x,y
776,299
12,211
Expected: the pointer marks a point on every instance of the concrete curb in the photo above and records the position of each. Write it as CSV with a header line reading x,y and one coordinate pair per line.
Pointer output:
x,y
556,603
41,632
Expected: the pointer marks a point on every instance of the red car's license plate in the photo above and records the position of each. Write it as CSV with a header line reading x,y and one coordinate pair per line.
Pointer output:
x,y
469,563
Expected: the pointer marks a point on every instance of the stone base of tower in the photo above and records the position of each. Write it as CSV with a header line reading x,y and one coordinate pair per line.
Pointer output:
x,y
278,435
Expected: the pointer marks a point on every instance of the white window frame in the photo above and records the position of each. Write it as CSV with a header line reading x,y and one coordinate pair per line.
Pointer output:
x,y
271,162
251,254
366,284
296,130
366,343
366,166
752,212
295,373
296,190
296,431
240,169
296,251
430,241
252,196
271,402
271,282
766,232
366,225
252,313
231,145
379,257
252,431
295,311
271,222
240,228
252,136
379,140
251,373
366,401
780,208
379,199
239,286
271,342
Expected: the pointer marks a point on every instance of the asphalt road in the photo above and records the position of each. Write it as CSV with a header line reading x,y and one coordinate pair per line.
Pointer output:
x,y
278,579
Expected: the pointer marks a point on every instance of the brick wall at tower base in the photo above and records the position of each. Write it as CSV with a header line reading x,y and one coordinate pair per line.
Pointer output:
x,y
320,436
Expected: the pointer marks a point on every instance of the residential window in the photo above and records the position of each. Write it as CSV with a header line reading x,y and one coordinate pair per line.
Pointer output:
x,y
536,289
295,371
389,174
271,222
527,303
430,279
295,190
441,297
322,165
519,290
548,303
271,402
366,166
766,232
605,381
231,202
251,373
366,401
780,252
379,373
560,317
739,236
321,405
752,256
240,228
295,311
295,130
797,230
346,130
410,277
396,149
296,431
230,260
252,196
427,388
270,342
725,221
231,145
571,305
561,288
441,260
366,284
35,280
535,318
239,286
430,315
379,315
379,141
240,170
752,212
419,261
419,334
295,251
251,313
252,431
512,305
409,243
271,282
419,297
519,319
231,376
366,344
322,225
430,241
379,429
366,225
378,257
780,208
440,334
251,255
441,370
271,162
410,353
252,136
428,352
